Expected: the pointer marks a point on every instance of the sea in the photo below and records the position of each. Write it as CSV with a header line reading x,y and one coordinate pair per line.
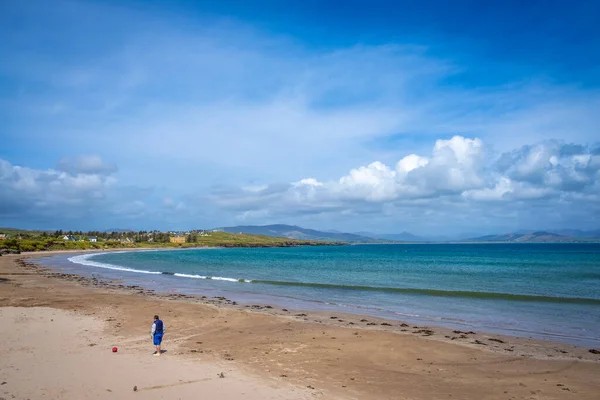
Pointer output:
x,y
545,291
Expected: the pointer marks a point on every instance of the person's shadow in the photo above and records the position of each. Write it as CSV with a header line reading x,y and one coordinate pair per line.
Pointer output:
x,y
161,352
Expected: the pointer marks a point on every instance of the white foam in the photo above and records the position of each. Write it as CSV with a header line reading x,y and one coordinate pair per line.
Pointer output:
x,y
84,260
190,276
218,278
215,278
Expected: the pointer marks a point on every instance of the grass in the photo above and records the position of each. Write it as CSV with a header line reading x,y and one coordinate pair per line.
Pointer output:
x,y
214,239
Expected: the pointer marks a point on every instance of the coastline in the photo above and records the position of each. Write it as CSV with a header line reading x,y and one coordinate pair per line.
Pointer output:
x,y
494,310
338,354
519,345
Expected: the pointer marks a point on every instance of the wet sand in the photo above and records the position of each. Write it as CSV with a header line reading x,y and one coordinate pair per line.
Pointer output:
x,y
328,355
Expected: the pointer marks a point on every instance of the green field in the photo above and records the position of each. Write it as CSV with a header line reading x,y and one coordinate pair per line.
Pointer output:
x,y
24,241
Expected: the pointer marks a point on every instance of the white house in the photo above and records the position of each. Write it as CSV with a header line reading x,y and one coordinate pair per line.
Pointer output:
x,y
93,238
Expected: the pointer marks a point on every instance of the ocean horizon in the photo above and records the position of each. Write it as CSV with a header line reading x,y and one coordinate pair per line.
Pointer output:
x,y
546,291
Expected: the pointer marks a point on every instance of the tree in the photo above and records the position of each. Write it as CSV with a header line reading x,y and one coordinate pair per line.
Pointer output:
x,y
12,244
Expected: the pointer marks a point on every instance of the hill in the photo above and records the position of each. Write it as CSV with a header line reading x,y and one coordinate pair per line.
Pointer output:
x,y
532,237
299,233
579,233
410,237
399,237
214,239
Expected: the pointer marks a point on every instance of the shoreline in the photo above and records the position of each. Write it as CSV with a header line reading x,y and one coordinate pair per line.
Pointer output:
x,y
321,306
489,341
251,332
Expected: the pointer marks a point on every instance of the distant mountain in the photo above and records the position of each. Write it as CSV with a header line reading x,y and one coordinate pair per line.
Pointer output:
x,y
118,230
532,237
336,231
398,237
296,232
409,237
579,233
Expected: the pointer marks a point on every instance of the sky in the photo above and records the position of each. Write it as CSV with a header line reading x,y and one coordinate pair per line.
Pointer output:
x,y
436,118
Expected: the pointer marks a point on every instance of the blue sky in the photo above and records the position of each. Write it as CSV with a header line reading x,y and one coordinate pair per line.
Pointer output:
x,y
431,117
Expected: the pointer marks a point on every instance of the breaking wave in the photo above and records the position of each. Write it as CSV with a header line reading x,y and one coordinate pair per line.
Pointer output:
x,y
85,260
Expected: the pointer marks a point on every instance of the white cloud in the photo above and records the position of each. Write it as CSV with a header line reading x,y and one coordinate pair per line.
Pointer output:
x,y
375,182
454,166
184,106
57,199
409,163
506,190
26,191
552,165
301,182
497,193
458,175
228,95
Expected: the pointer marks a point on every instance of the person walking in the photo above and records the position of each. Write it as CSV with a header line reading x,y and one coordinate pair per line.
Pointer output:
x,y
158,330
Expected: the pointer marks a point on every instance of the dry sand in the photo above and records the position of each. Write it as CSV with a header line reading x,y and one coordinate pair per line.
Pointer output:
x,y
265,353
57,354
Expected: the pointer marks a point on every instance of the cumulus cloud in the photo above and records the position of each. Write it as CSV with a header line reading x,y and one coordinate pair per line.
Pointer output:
x,y
554,166
33,193
459,181
454,166
39,187
221,103
458,173
225,94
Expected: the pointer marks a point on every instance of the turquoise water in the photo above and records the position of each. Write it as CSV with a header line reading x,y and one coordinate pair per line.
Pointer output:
x,y
538,290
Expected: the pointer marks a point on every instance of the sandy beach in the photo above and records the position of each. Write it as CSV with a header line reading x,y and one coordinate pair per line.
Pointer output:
x,y
58,332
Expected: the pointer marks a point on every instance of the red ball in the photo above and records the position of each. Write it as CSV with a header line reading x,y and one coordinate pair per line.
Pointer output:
x,y
114,349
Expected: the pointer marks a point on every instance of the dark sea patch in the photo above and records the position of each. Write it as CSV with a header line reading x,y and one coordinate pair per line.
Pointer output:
x,y
441,293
